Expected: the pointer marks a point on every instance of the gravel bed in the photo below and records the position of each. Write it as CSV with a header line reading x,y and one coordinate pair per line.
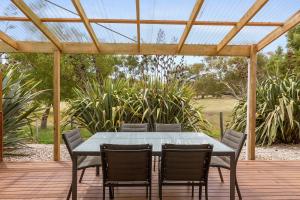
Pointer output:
x,y
276,152
44,152
37,152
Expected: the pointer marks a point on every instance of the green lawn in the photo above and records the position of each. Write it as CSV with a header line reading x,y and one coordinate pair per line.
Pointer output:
x,y
45,136
212,108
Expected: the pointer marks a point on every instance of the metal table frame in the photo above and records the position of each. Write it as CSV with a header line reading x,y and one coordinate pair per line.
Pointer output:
x,y
91,147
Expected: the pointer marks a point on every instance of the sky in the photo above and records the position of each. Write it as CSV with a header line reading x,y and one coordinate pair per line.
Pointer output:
x,y
211,10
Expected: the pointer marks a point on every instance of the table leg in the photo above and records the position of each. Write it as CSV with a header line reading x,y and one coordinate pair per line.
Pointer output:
x,y
232,176
74,177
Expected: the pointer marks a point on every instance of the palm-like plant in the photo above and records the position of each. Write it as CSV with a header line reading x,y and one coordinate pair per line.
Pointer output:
x,y
98,107
18,106
278,111
103,107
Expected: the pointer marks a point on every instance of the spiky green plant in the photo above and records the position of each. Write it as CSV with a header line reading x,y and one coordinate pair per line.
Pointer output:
x,y
98,107
18,106
103,107
277,113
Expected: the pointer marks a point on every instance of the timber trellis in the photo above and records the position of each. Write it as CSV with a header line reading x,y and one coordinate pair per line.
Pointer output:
x,y
224,47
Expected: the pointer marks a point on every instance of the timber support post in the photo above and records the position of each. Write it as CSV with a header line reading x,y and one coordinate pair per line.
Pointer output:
x,y
56,105
251,104
1,119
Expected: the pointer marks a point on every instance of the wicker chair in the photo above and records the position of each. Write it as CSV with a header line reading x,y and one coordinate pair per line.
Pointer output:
x,y
185,165
72,139
126,127
236,141
125,166
167,127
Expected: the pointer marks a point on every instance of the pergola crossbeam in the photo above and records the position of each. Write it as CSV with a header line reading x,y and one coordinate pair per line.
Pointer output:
x,y
142,21
38,23
129,49
289,24
8,40
243,21
86,23
189,24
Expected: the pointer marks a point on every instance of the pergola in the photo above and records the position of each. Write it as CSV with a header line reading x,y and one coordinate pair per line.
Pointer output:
x,y
203,27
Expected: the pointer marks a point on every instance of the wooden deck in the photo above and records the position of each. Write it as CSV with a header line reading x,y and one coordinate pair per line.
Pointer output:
x,y
50,180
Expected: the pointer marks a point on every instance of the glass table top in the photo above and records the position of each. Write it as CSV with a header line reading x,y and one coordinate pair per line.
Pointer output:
x,y
156,139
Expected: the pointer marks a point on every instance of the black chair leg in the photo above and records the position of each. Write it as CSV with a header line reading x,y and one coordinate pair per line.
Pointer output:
x,y
147,190
81,176
220,173
160,191
97,170
192,190
69,193
206,192
238,189
103,192
200,192
150,192
110,192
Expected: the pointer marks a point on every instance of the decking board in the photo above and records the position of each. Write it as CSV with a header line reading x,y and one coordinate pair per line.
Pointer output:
x,y
278,180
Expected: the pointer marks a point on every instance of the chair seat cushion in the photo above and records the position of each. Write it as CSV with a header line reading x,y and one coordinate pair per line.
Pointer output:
x,y
219,161
89,161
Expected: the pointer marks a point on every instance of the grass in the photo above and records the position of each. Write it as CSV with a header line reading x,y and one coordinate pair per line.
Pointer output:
x,y
212,108
46,135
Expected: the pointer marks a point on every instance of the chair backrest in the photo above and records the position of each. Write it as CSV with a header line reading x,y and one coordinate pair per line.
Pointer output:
x,y
235,140
126,162
72,139
167,127
126,127
185,162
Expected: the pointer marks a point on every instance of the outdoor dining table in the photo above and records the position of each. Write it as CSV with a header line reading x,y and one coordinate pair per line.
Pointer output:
x,y
91,147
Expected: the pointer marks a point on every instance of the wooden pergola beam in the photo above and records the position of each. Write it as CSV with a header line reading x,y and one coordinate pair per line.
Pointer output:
x,y
137,4
289,24
142,21
243,21
128,49
38,23
189,24
86,23
8,40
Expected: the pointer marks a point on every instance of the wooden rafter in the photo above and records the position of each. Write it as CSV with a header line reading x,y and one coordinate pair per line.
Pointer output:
x,y
243,21
137,3
8,40
143,21
37,21
289,24
189,24
86,23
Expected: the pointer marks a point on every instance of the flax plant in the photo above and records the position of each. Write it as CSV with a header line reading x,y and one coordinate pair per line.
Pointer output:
x,y
277,113
103,107
19,107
